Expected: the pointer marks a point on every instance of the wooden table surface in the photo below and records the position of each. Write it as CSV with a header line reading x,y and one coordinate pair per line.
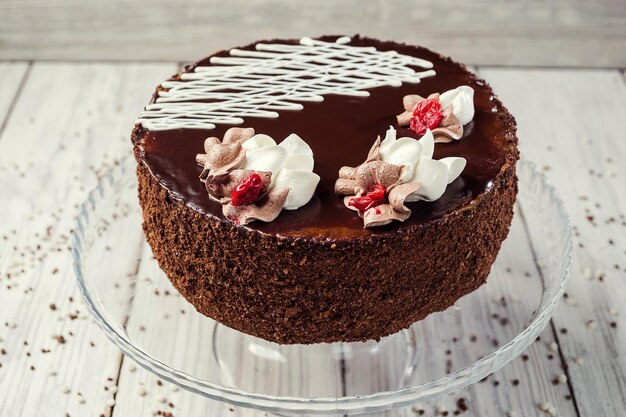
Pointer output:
x,y
62,124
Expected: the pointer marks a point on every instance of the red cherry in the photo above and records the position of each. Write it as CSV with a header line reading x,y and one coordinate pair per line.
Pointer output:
x,y
248,190
427,114
374,198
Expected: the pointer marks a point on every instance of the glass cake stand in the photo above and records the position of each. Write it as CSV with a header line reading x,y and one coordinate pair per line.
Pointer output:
x,y
138,309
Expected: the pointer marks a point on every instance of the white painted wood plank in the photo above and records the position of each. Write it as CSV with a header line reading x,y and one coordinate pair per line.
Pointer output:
x,y
570,125
69,124
11,76
529,32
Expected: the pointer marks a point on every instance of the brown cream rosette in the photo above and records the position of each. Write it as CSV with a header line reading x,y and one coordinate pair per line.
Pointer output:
x,y
375,190
243,193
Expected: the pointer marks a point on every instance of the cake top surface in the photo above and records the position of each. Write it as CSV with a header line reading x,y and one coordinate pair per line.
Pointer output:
x,y
340,129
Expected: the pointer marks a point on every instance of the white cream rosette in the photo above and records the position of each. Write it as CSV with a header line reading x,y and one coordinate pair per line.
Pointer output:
x,y
462,101
417,158
290,162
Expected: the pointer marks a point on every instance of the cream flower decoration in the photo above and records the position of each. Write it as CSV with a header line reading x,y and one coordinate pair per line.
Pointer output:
x,y
417,158
445,114
396,171
254,178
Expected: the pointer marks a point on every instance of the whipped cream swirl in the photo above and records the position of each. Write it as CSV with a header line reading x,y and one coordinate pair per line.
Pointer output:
x,y
254,178
462,101
396,171
416,156
290,162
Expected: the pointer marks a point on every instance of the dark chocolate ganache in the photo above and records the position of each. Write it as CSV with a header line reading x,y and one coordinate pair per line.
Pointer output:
x,y
340,131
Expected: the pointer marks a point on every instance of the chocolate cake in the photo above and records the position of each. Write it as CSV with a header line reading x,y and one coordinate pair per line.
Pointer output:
x,y
290,261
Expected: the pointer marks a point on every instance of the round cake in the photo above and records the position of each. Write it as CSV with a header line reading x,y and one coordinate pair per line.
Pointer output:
x,y
335,189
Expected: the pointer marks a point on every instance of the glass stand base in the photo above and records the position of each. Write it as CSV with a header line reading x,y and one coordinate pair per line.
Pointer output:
x,y
347,366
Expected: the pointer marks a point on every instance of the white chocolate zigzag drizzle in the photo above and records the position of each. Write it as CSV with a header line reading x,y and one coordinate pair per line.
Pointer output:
x,y
273,78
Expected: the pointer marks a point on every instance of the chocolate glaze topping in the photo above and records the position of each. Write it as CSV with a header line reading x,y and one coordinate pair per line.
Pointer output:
x,y
341,130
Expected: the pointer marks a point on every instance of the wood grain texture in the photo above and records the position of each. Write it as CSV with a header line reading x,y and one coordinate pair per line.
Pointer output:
x,y
530,32
568,125
69,124
12,75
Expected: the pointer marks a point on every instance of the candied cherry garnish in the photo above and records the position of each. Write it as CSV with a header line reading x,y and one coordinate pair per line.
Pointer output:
x,y
427,114
374,198
248,190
